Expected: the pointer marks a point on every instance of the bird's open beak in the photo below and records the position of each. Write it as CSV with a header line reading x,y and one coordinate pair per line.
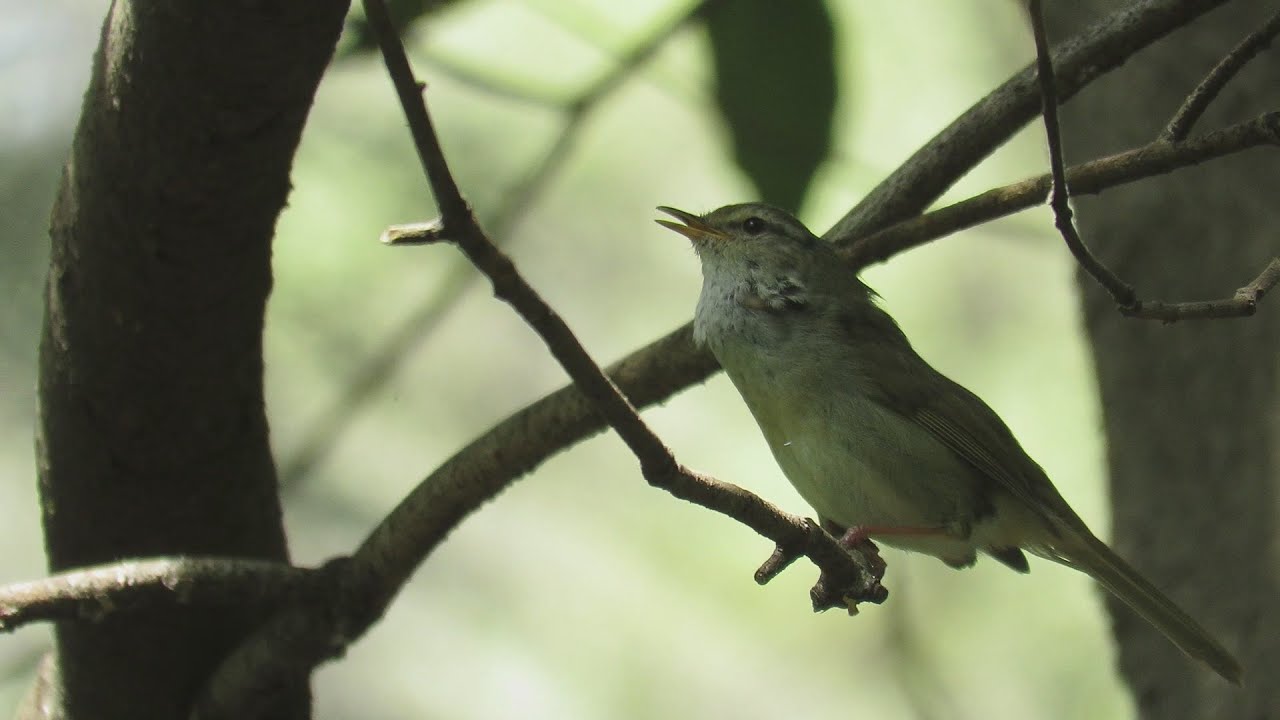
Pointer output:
x,y
693,228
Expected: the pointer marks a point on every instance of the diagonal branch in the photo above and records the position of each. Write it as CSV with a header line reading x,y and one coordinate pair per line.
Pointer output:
x,y
1222,73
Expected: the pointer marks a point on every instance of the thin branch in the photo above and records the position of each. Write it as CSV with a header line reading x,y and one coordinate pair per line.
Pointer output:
x,y
1156,158
1242,304
93,593
1059,197
1209,88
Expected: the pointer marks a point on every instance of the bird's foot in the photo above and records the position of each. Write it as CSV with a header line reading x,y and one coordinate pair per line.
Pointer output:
x,y
858,538
831,592
855,539
833,589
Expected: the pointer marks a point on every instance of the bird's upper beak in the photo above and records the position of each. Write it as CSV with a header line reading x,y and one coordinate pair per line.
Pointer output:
x,y
693,228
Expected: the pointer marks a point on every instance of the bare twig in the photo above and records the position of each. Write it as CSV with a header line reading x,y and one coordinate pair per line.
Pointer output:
x,y
93,593
1242,304
1059,198
419,233
1222,73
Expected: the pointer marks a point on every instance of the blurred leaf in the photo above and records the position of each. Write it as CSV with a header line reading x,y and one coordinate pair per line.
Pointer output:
x,y
358,37
776,86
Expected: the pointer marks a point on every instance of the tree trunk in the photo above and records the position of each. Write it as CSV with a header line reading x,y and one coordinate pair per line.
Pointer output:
x,y
1190,409
152,435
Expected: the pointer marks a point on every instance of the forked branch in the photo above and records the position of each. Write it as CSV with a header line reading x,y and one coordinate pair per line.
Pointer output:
x,y
1245,300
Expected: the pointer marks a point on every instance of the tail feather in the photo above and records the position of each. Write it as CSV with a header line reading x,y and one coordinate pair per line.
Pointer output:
x,y
1097,560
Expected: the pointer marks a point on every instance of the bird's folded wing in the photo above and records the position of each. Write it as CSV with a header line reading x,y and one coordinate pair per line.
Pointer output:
x,y
965,424
957,418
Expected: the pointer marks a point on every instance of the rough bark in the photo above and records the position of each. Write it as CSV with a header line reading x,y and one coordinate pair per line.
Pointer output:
x,y
1190,409
152,435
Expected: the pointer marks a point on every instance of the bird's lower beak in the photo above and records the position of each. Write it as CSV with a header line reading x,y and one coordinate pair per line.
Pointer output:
x,y
693,228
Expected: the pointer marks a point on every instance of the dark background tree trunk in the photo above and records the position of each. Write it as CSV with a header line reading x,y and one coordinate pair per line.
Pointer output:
x,y
153,438
1190,410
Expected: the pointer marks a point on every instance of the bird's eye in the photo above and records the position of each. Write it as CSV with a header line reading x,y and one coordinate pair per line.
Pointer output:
x,y
753,225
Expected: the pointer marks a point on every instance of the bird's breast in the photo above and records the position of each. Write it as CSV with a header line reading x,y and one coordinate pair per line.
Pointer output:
x,y
856,461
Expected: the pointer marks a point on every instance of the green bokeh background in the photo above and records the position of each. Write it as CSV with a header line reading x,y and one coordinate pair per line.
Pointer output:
x,y
581,592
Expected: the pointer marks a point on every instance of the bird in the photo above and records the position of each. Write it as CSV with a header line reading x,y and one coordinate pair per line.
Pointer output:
x,y
884,447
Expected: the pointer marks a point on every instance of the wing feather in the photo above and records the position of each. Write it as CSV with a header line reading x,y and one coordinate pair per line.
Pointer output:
x,y
954,416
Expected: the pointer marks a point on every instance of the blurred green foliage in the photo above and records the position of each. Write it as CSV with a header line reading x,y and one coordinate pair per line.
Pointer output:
x,y
775,80
581,593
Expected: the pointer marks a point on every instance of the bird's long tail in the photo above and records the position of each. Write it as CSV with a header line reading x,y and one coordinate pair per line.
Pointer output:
x,y
1094,558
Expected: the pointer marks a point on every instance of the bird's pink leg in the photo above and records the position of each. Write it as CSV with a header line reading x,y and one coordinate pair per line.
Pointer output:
x,y
860,533
858,537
